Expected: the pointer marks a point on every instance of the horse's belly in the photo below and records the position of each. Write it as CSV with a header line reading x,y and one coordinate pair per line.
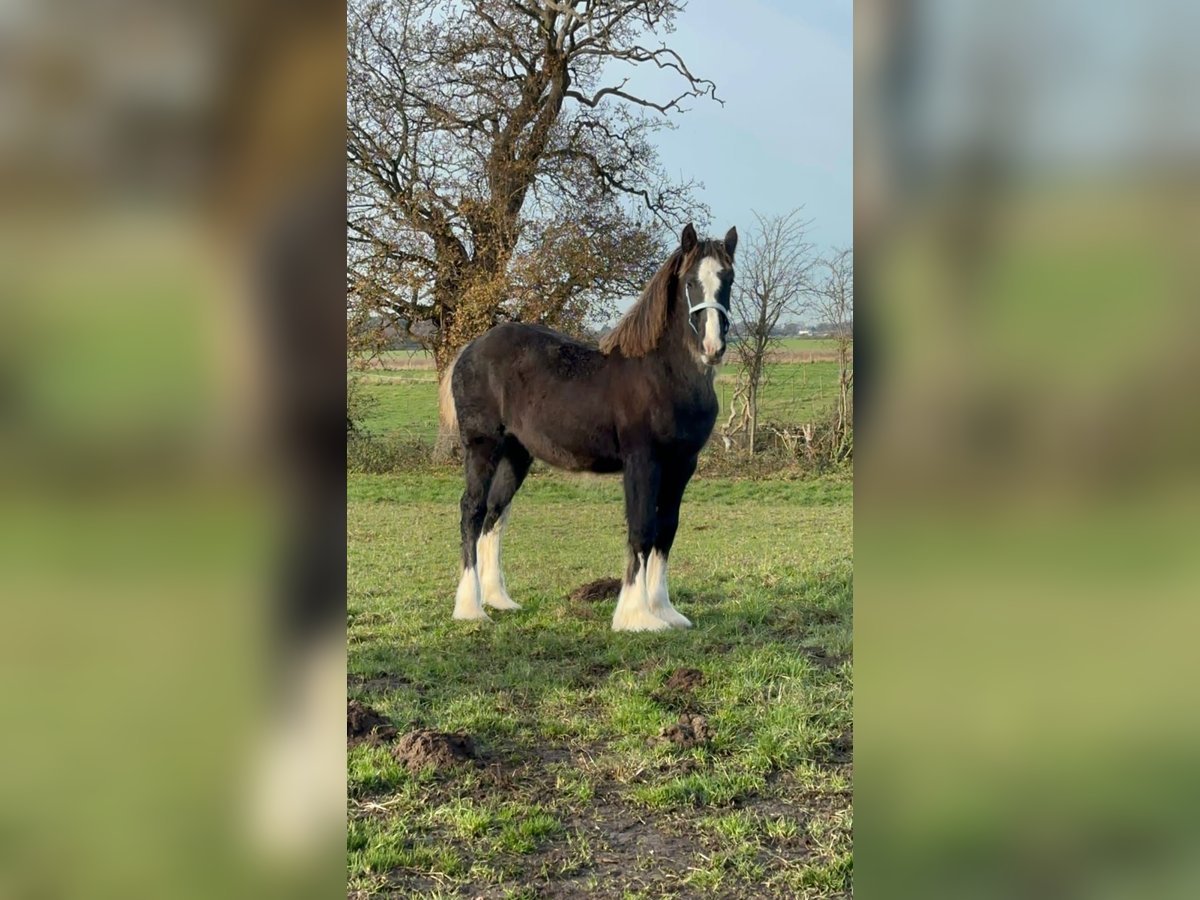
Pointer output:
x,y
575,449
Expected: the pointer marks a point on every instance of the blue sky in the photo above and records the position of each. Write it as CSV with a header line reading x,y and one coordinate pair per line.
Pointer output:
x,y
784,137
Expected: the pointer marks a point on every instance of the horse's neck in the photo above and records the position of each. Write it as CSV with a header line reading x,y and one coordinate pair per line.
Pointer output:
x,y
678,360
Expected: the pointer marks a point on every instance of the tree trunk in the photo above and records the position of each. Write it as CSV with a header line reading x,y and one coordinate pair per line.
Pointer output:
x,y
476,297
753,405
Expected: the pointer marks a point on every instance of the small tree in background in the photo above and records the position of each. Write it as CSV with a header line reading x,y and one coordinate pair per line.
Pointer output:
x,y
364,342
772,276
833,302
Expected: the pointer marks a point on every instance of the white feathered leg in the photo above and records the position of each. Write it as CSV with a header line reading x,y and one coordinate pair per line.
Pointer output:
x,y
659,596
491,576
633,606
466,599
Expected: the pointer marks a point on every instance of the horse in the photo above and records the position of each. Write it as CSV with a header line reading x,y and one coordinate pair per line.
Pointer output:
x,y
642,404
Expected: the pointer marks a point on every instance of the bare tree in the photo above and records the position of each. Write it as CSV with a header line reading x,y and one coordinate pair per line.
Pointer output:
x,y
833,304
772,277
500,165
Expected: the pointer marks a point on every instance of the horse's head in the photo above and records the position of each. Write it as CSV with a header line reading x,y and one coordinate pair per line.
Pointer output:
x,y
707,279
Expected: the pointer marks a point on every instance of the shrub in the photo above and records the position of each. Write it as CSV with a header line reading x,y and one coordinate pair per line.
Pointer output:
x,y
371,454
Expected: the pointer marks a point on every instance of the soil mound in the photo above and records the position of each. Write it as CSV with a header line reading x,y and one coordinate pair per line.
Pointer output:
x,y
690,731
363,724
595,591
438,750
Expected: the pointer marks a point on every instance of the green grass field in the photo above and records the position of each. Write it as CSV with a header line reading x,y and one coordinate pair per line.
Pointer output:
x,y
402,402
576,792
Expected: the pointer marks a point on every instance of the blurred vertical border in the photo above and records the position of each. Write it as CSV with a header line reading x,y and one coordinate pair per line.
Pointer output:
x,y
171,449
1027,574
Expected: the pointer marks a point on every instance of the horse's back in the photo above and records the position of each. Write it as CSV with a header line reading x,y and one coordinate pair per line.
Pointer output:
x,y
514,345
543,387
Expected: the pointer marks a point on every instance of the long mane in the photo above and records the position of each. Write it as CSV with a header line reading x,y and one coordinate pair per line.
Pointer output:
x,y
642,327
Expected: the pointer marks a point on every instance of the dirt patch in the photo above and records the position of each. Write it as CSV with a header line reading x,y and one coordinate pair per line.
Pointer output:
x,y
690,731
593,672
649,665
824,616
841,748
631,850
676,693
684,680
438,750
630,854
595,591
682,767
823,658
365,725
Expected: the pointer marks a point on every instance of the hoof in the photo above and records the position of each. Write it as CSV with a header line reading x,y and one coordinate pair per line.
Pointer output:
x,y
642,621
501,601
467,607
661,607
673,617
470,615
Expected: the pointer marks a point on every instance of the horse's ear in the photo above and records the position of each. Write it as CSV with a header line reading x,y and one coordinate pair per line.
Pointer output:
x,y
688,239
731,241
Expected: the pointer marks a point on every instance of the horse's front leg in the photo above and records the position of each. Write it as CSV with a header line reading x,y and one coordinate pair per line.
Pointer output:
x,y
674,480
642,478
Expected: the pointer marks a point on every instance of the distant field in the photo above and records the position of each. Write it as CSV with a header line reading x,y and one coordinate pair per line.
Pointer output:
x,y
420,358
403,389
403,359
805,343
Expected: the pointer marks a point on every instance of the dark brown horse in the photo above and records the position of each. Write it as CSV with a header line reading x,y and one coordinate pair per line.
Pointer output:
x,y
643,404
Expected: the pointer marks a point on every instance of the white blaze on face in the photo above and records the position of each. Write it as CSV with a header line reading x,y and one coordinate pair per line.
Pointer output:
x,y
710,283
712,333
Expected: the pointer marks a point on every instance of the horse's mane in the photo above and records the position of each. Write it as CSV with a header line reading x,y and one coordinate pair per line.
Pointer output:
x,y
641,328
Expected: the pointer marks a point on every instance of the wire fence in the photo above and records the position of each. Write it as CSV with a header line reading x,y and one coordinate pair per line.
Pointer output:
x,y
790,395
401,395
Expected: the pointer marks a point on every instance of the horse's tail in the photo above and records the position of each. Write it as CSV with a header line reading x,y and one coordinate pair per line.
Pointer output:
x,y
446,410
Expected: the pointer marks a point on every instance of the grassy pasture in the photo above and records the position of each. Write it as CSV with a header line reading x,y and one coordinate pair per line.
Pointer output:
x,y
402,402
577,792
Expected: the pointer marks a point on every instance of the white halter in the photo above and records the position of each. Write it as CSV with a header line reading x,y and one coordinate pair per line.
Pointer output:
x,y
713,304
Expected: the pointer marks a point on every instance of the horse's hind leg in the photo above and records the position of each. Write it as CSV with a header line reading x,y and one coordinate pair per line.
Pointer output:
x,y
510,472
479,466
